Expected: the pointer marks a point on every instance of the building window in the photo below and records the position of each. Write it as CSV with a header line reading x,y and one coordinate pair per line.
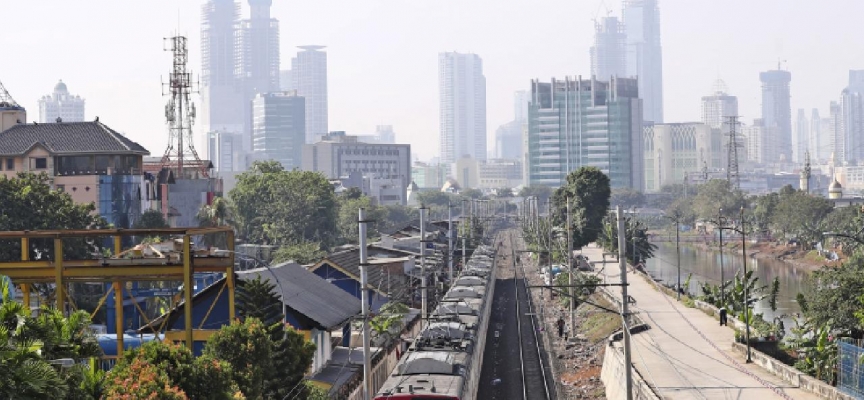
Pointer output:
x,y
10,164
39,163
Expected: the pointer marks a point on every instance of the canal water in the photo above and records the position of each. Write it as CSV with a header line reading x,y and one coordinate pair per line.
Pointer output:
x,y
705,267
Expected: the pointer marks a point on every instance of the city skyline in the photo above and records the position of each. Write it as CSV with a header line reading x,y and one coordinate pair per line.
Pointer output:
x,y
697,48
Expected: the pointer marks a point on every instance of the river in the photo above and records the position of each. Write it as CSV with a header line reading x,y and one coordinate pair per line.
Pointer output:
x,y
705,267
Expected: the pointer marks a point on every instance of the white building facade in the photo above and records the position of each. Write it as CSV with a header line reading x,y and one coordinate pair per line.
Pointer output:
x,y
61,105
462,106
676,150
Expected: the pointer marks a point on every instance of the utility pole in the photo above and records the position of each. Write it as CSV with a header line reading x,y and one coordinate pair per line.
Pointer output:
x,y
732,166
678,252
423,263
570,267
364,297
450,243
625,314
746,295
722,278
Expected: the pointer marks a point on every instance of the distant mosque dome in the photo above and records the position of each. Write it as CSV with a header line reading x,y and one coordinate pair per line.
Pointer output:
x,y
835,190
60,87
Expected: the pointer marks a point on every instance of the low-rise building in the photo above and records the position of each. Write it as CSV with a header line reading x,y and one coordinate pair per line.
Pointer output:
x,y
339,155
88,160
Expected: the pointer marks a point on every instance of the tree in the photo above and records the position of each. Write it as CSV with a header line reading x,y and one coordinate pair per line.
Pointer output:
x,y
830,295
388,322
301,253
288,353
215,214
141,380
714,195
262,367
635,237
398,216
348,226
202,377
801,214
588,191
30,203
151,219
471,193
352,193
504,193
278,207
627,198
27,343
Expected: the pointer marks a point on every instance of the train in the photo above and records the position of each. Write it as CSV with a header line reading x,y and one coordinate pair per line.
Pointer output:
x,y
444,361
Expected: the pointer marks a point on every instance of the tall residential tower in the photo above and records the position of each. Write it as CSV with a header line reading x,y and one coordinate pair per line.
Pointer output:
x,y
644,54
308,76
852,120
278,128
462,113
777,115
220,96
257,54
608,54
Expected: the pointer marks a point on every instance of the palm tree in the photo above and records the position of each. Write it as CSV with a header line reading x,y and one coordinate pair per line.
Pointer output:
x,y
212,215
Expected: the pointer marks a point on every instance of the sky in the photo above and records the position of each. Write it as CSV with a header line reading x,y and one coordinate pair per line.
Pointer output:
x,y
382,54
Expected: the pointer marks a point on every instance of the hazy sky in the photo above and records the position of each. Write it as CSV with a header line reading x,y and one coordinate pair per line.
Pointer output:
x,y
382,54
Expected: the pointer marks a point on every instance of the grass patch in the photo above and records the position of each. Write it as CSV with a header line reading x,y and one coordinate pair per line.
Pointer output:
x,y
597,324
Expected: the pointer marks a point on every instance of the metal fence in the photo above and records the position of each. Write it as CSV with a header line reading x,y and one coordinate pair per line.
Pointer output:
x,y
850,379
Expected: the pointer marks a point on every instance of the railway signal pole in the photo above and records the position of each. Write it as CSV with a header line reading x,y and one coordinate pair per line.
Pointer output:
x,y
625,313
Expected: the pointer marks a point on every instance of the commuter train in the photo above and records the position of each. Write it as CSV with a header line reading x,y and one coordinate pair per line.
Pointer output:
x,y
446,357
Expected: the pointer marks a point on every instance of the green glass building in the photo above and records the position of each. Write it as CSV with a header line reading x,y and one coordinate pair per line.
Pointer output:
x,y
574,123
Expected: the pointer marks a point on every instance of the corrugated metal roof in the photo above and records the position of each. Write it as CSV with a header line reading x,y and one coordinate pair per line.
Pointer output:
x,y
308,293
67,138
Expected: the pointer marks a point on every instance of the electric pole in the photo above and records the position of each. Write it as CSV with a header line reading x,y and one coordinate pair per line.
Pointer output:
x,y
423,263
625,315
364,297
570,269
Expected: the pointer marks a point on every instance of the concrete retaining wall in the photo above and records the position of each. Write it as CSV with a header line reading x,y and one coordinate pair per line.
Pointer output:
x,y
613,377
792,375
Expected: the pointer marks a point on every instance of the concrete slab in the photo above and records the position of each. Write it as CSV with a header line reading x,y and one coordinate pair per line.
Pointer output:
x,y
682,355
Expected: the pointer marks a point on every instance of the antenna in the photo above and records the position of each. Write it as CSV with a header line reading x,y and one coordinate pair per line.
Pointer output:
x,y
733,145
5,98
180,111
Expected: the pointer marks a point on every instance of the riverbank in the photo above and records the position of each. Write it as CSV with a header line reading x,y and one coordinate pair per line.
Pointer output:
x,y
793,255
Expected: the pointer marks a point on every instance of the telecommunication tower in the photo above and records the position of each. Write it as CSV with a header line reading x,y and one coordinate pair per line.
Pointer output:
x,y
732,168
180,112
5,98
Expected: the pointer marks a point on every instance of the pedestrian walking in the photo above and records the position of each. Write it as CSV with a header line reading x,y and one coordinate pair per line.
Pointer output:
x,y
723,313
560,324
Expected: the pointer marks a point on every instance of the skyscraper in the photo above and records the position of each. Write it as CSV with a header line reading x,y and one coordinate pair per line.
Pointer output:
x,y
717,106
508,140
309,78
574,123
777,115
802,137
279,128
852,119
834,129
462,113
220,94
520,105
608,55
62,105
644,54
257,57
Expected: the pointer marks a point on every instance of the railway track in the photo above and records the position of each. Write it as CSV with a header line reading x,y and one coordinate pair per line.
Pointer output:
x,y
515,364
537,381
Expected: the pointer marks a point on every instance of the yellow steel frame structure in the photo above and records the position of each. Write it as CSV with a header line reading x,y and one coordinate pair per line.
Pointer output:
x,y
119,271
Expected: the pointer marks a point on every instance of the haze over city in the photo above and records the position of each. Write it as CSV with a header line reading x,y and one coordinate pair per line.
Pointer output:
x,y
382,55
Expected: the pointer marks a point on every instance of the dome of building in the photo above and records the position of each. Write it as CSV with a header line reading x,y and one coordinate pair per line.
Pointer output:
x,y
60,87
835,190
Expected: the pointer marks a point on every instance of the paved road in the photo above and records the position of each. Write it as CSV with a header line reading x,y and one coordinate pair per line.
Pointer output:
x,y
510,358
679,362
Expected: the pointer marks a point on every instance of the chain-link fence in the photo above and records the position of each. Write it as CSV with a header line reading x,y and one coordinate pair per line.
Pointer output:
x,y
851,376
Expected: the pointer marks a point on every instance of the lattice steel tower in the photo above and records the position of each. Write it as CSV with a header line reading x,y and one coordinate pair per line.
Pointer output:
x,y
180,112
732,168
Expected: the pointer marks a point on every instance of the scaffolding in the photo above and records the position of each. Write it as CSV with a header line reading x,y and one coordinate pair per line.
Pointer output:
x,y
60,271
